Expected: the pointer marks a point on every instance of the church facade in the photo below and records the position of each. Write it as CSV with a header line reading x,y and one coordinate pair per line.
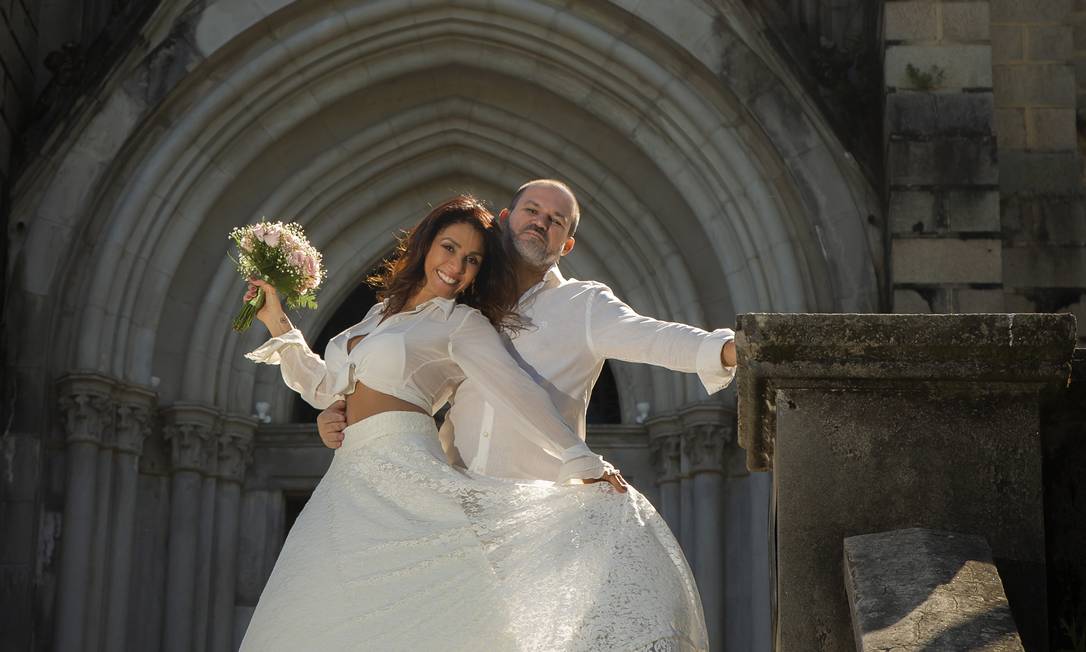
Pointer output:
x,y
799,156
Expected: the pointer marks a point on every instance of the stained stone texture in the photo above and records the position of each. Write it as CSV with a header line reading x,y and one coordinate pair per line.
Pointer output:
x,y
881,422
921,590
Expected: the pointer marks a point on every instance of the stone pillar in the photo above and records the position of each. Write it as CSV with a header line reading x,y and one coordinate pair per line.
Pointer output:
x,y
942,176
707,431
87,411
883,422
235,454
189,429
665,442
99,554
205,543
133,425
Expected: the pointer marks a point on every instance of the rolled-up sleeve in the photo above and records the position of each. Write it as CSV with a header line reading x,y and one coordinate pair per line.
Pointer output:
x,y
477,349
615,330
303,371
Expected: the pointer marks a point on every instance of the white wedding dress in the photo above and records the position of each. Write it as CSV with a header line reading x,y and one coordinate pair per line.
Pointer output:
x,y
398,550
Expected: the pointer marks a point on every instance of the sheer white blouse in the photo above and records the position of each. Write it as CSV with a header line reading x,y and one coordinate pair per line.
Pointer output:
x,y
420,356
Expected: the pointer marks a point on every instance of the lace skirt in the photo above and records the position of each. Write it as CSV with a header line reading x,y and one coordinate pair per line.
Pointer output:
x,y
398,550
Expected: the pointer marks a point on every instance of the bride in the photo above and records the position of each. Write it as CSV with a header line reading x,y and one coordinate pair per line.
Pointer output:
x,y
399,550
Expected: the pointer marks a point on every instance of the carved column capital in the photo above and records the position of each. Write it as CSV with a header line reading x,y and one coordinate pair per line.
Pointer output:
x,y
704,446
236,447
192,432
86,405
135,409
708,430
665,443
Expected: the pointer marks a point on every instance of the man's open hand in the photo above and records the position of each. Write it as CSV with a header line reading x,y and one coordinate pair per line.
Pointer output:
x,y
330,424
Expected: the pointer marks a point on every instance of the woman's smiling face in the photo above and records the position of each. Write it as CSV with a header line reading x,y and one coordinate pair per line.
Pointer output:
x,y
453,262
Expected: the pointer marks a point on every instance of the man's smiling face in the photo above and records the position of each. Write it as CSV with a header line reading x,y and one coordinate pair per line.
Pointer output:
x,y
538,225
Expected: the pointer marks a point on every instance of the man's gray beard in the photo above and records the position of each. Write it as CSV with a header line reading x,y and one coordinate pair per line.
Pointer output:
x,y
534,253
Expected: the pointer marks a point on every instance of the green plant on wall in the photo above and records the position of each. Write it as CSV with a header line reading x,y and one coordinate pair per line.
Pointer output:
x,y
925,80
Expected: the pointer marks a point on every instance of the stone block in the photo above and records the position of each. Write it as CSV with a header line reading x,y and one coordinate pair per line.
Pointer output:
x,y
962,66
912,211
965,21
969,300
1052,129
1034,85
1030,11
929,114
1008,43
1044,219
910,21
973,210
1039,172
954,160
1037,265
919,589
921,300
1049,43
946,260
1010,127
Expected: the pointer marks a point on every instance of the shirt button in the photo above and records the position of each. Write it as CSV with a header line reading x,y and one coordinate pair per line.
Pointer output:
x,y
486,434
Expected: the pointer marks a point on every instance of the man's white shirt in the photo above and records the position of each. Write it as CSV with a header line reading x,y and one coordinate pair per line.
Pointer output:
x,y
573,327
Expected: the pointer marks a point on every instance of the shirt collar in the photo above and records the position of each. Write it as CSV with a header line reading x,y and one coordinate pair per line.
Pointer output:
x,y
445,306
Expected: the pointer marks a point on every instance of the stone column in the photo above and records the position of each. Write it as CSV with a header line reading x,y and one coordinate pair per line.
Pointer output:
x,y
189,429
201,631
86,408
235,454
97,592
707,431
665,443
925,421
133,425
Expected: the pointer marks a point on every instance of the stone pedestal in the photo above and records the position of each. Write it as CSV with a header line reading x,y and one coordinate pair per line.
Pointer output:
x,y
881,422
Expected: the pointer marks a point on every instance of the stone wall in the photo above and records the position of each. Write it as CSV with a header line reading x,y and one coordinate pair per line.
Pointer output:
x,y
1043,216
18,55
942,174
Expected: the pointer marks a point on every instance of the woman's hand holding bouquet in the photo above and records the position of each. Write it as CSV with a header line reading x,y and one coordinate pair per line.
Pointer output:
x,y
277,260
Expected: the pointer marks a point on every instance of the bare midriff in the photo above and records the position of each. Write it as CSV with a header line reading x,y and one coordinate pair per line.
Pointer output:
x,y
364,402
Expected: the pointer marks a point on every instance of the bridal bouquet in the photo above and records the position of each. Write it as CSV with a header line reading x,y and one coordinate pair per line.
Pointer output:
x,y
281,255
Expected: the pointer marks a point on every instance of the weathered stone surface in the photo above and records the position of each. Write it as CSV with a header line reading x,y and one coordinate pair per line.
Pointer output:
x,y
954,160
928,114
1029,11
1039,172
1053,129
916,589
962,66
913,211
910,21
1051,85
1063,436
1058,219
946,260
1008,43
881,422
1044,266
973,210
965,21
1049,43
1010,126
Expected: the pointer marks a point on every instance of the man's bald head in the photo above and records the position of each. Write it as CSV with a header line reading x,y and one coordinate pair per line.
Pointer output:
x,y
575,212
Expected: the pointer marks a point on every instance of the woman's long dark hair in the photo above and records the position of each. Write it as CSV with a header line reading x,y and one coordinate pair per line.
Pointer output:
x,y
494,291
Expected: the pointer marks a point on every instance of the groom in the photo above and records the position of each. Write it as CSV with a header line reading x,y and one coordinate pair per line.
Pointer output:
x,y
574,326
